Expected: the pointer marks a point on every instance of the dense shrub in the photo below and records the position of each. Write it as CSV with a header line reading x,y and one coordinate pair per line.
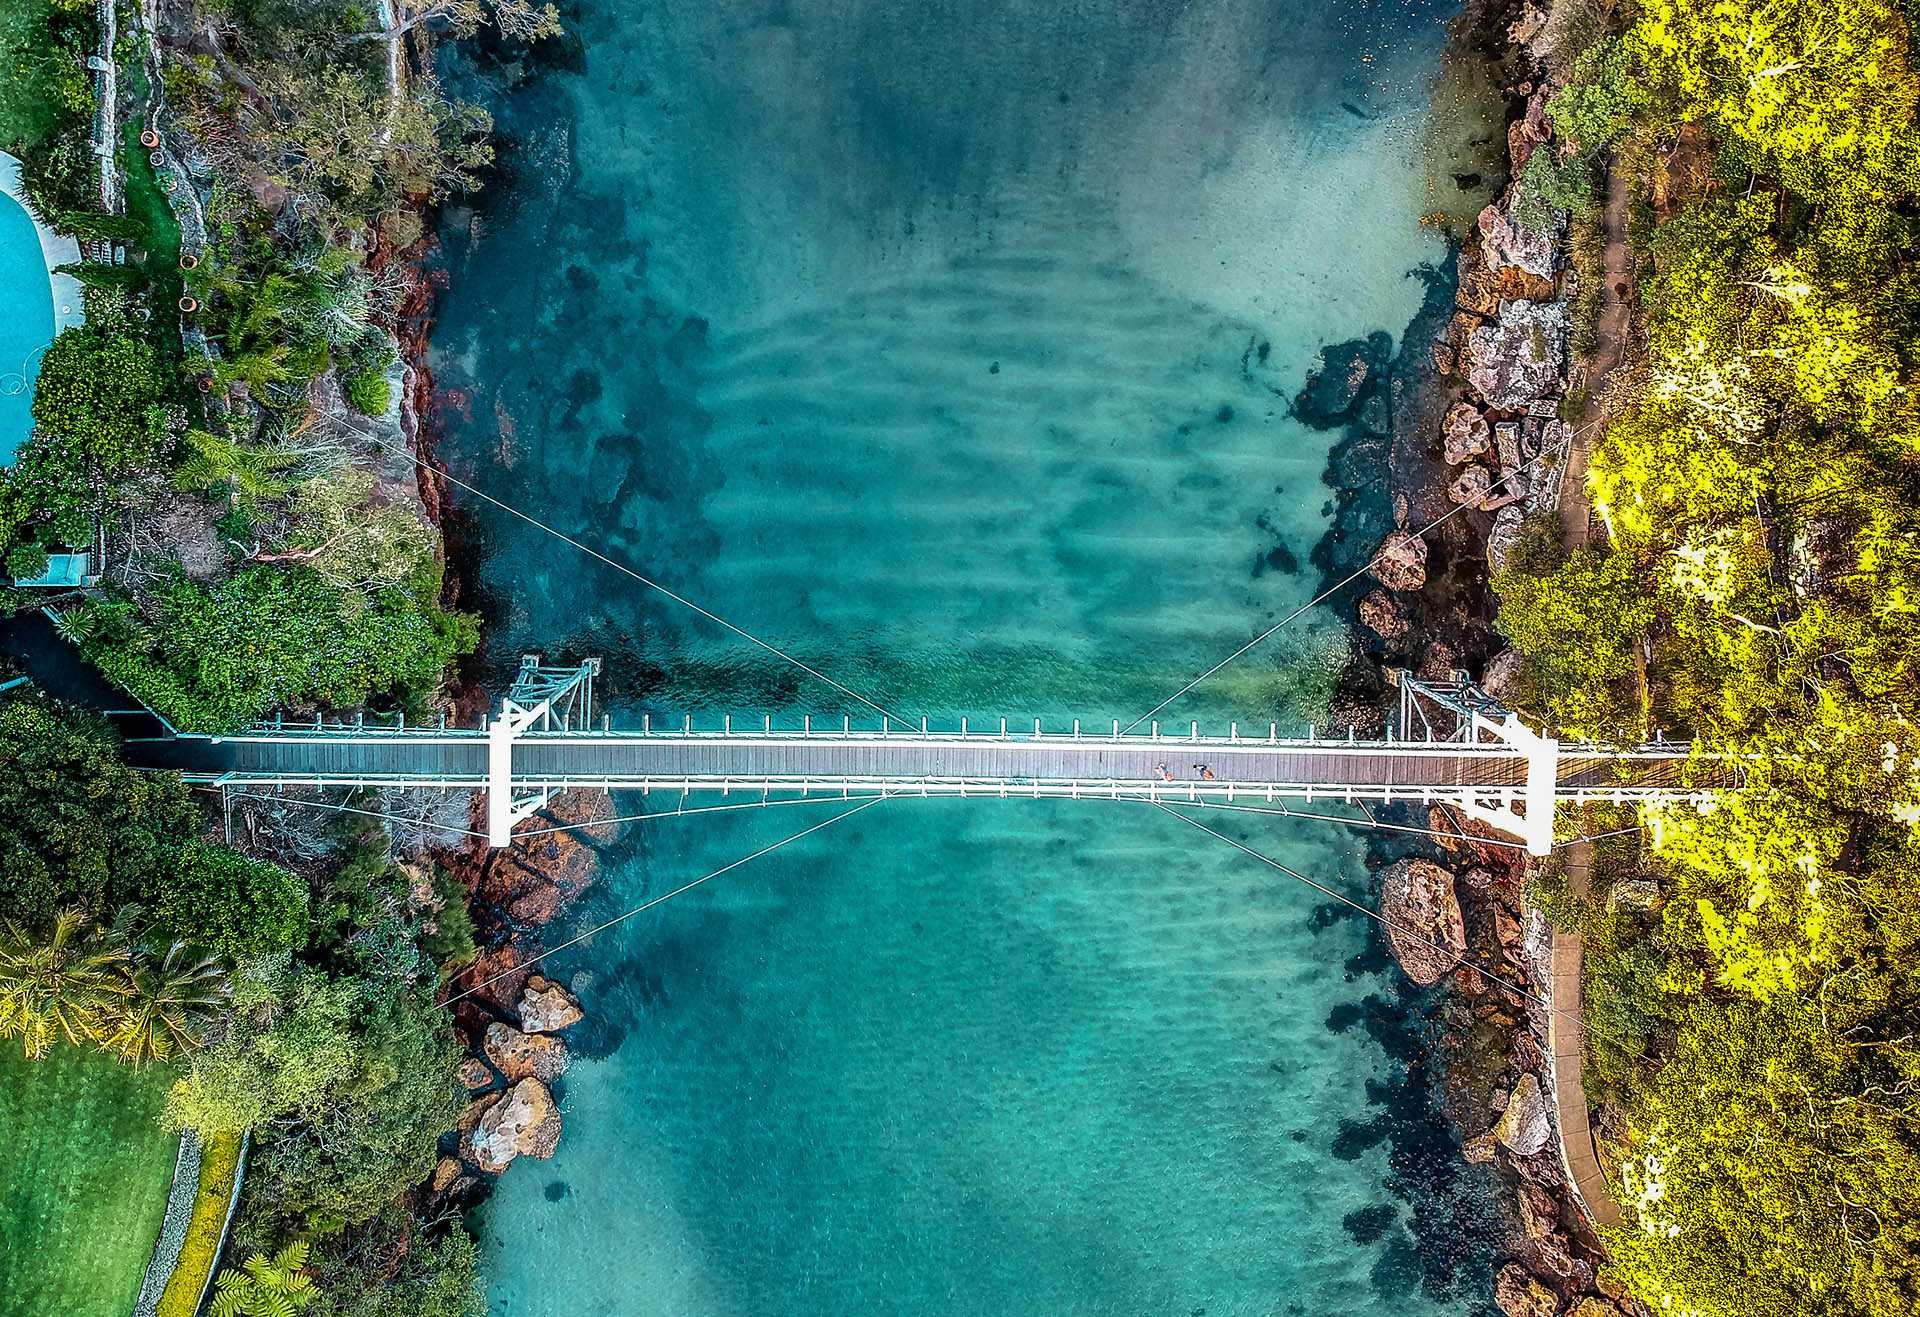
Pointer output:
x,y
26,560
369,392
99,393
219,657
220,899
78,827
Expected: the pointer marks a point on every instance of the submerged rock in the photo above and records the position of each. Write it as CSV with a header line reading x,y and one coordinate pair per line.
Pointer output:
x,y
523,1123
1524,1126
546,1007
1520,358
1425,928
518,1055
1348,374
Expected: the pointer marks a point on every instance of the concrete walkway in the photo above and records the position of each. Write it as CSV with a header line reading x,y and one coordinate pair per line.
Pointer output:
x,y
1566,1024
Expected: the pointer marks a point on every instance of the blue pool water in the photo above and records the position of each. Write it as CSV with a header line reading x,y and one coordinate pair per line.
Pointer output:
x,y
949,346
27,326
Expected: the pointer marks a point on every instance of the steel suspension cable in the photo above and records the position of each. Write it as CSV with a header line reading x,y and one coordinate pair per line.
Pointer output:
x,y
1343,583
639,576
519,835
1456,959
662,898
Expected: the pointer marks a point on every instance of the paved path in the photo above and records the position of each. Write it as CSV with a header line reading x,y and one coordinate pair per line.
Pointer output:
x,y
1566,1024
1611,328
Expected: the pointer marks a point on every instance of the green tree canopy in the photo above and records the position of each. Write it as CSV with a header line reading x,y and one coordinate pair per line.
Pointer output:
x,y
77,826
224,901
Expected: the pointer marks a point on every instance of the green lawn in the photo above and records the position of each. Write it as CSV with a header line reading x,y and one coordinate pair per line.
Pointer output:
x,y
83,1181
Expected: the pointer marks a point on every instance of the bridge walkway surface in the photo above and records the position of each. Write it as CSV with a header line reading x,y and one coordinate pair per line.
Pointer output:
x,y
950,764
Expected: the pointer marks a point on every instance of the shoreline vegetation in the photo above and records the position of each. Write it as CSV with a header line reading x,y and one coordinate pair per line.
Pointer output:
x,y
1709,221
1671,387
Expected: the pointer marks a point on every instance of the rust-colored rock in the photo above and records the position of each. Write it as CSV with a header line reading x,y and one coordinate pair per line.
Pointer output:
x,y
509,963
518,1055
445,1172
1401,561
474,1074
546,1007
1425,928
1518,1294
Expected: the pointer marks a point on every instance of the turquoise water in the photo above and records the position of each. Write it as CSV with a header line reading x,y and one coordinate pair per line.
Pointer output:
x,y
27,326
949,346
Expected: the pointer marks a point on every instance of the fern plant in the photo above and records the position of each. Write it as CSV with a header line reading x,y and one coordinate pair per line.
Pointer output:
x,y
266,1286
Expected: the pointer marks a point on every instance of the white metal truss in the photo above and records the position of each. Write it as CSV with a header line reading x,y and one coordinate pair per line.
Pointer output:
x,y
538,693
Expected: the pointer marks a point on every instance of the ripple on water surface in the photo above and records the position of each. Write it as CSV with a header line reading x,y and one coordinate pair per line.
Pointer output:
x,y
949,345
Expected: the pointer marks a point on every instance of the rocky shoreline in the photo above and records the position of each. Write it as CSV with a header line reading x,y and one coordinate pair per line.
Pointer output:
x,y
508,1017
1486,452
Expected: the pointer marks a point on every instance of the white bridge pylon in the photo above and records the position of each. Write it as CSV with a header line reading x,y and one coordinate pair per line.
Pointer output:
x,y
538,694
1527,813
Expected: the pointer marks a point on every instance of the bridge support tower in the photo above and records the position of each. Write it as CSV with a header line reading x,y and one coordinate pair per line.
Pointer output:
x,y
556,698
1459,711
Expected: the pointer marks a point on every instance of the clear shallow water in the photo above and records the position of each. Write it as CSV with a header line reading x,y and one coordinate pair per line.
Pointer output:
x,y
27,326
949,346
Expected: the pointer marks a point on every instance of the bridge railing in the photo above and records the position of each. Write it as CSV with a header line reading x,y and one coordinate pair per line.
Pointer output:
x,y
968,730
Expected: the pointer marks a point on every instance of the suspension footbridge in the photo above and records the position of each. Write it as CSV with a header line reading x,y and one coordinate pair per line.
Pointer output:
x,y
1449,743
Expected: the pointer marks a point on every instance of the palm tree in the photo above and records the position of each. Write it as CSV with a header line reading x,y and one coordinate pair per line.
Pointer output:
x,y
210,459
267,1286
68,984
169,999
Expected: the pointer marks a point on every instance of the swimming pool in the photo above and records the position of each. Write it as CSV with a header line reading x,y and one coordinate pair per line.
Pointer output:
x,y
32,317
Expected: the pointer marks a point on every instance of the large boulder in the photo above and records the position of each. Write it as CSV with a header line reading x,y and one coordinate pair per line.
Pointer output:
x,y
1471,486
1519,358
1518,1294
1425,928
1384,615
1401,561
1524,1126
1465,432
546,1007
1505,671
523,1123
1507,244
518,1055
1503,537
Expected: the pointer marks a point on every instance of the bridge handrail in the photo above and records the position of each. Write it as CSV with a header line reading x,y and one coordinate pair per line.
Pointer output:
x,y
965,735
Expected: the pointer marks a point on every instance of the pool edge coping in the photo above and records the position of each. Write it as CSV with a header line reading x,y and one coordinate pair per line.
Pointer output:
x,y
56,249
